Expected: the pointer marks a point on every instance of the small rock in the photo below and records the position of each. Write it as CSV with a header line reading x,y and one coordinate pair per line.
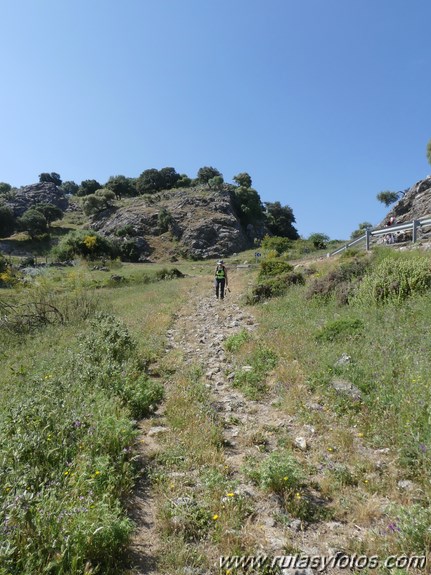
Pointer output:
x,y
296,525
301,443
314,406
343,360
247,368
157,430
345,387
406,485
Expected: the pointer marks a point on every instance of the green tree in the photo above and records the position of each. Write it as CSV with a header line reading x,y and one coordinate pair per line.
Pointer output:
x,y
184,181
319,241
216,183
5,188
7,221
107,196
52,177
280,219
387,197
276,243
361,230
149,182
206,173
92,204
69,187
121,186
243,179
169,178
88,187
429,151
33,222
50,212
248,205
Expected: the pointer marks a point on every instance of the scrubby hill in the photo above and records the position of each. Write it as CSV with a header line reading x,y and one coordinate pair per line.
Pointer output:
x,y
198,222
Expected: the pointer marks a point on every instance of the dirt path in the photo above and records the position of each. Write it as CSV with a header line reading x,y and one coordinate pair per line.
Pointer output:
x,y
199,332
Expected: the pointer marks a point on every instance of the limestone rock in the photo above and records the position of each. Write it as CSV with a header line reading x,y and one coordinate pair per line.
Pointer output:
x,y
344,387
41,193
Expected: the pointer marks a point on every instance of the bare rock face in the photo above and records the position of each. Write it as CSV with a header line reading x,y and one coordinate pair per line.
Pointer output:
x,y
201,222
415,204
41,193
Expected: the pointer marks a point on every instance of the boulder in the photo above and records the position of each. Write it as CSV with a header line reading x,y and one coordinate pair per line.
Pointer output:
x,y
41,193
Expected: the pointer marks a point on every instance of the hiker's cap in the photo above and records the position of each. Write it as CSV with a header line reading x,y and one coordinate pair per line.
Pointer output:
x,y
220,262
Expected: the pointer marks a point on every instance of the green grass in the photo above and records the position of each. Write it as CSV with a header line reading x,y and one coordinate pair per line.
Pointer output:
x,y
73,382
390,361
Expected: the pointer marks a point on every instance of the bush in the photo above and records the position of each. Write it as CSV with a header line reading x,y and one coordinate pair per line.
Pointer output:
x,y
341,281
273,267
278,472
165,274
108,359
274,287
277,243
395,279
252,381
340,328
86,244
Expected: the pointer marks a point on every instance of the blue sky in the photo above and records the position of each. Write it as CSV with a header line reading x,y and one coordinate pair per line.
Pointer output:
x,y
324,103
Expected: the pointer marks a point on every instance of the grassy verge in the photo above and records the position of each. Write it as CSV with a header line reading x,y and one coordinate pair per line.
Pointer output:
x,y
73,382
359,375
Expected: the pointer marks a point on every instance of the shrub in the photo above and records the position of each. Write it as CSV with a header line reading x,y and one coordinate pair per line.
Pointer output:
x,y
278,472
166,274
234,342
410,527
127,230
395,279
252,381
275,286
87,244
273,267
277,243
340,328
341,281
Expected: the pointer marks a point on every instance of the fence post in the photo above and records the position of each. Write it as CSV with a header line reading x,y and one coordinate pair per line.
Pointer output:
x,y
415,230
367,239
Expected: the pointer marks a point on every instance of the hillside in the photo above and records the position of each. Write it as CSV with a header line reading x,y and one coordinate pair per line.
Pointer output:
x,y
197,222
297,428
414,204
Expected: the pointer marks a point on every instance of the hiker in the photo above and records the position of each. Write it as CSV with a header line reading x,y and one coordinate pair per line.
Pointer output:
x,y
220,279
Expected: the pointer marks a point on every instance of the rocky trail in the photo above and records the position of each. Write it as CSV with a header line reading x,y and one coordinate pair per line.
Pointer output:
x,y
199,331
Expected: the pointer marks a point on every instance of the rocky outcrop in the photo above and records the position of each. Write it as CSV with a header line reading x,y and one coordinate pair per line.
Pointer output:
x,y
41,193
415,203
201,222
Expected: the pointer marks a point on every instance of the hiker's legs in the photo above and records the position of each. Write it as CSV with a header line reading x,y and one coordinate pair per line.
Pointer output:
x,y
222,282
217,286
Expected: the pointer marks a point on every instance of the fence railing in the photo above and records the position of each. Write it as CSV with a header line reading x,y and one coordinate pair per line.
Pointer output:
x,y
412,226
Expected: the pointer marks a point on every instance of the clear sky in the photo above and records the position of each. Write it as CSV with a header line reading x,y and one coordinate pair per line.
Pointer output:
x,y
324,103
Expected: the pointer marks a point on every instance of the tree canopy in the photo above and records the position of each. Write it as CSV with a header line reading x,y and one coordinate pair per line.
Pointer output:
x,y
280,219
88,187
206,173
52,177
243,179
7,221
50,212
121,186
360,231
387,197
33,222
429,151
319,240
